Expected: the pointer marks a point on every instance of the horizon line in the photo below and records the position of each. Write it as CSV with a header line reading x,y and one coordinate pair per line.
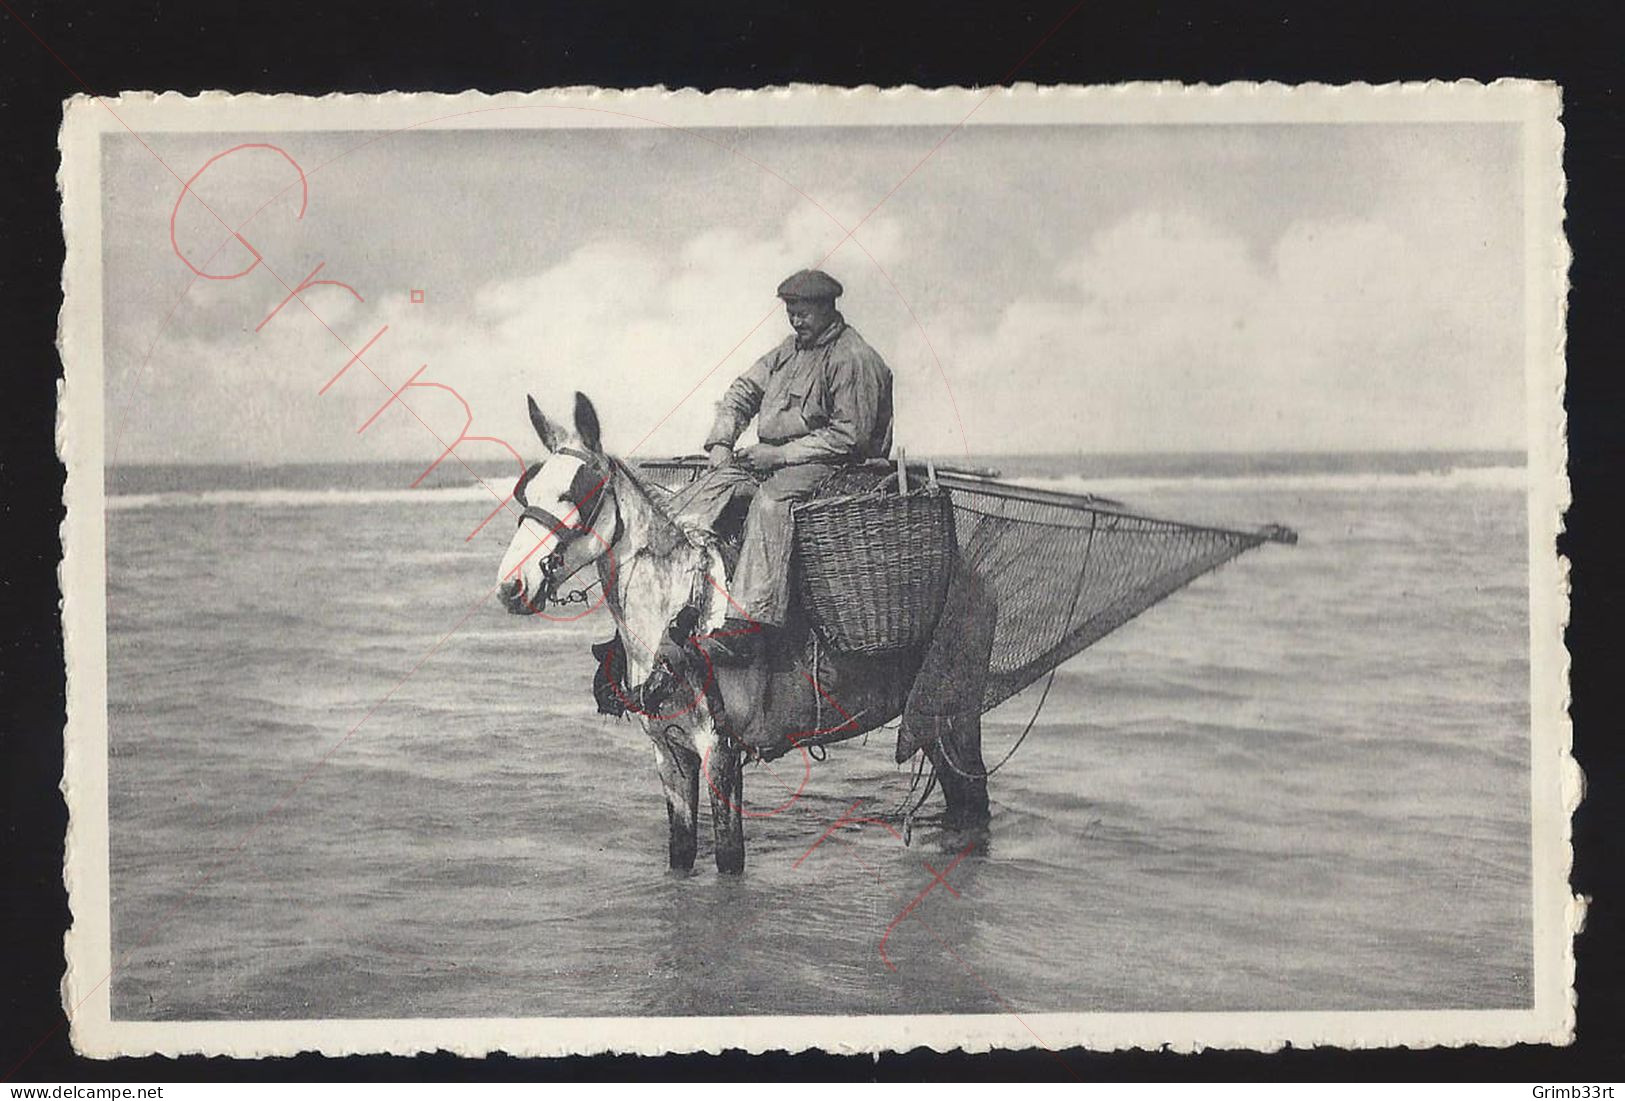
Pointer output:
x,y
920,456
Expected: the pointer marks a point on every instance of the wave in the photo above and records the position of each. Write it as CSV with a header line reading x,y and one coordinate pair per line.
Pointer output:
x,y
1493,478
1511,478
301,498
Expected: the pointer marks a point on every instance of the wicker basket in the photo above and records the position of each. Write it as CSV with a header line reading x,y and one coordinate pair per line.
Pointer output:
x,y
874,567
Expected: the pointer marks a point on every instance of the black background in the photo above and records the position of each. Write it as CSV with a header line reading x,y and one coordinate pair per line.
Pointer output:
x,y
304,47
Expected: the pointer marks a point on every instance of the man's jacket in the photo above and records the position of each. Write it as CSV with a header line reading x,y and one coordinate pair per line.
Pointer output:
x,y
830,400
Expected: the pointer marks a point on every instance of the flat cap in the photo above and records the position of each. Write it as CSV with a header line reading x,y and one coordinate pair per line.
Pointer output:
x,y
810,284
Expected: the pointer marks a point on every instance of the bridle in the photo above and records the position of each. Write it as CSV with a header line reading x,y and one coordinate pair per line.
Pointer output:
x,y
589,489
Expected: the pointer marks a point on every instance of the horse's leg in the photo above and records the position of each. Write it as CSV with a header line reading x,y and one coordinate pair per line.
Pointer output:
x,y
727,784
957,755
680,775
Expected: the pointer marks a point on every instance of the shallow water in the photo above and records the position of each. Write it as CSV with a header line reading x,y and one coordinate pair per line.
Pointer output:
x,y
1301,783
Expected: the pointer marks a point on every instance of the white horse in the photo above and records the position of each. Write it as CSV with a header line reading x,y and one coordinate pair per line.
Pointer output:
x,y
583,508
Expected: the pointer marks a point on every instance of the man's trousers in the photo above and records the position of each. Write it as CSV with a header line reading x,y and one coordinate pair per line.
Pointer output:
x,y
761,582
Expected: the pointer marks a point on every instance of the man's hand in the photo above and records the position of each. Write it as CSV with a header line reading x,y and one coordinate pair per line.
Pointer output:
x,y
721,454
762,457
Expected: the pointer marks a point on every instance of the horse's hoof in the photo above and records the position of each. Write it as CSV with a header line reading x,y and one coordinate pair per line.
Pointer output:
x,y
731,863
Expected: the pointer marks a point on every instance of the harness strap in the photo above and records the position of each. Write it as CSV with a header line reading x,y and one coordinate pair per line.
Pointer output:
x,y
677,648
592,467
698,597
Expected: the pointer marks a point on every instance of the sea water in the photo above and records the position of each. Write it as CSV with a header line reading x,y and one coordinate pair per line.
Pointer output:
x,y
344,782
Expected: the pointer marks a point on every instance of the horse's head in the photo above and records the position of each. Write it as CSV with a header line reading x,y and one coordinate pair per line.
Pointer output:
x,y
569,512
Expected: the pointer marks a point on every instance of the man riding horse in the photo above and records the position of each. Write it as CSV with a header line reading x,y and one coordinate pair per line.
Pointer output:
x,y
823,400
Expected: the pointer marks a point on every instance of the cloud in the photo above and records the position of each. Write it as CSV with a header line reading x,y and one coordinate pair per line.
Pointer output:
x,y
1163,330
1167,332
1155,288
653,337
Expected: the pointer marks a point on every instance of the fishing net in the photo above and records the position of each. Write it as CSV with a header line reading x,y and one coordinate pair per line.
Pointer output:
x,y
1056,572
1063,574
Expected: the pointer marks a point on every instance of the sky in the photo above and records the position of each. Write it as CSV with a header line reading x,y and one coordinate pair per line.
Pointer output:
x,y
1034,289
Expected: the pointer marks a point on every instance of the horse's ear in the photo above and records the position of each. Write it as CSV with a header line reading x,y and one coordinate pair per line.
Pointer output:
x,y
587,424
546,430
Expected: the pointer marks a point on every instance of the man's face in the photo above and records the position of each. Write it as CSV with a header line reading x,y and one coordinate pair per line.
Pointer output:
x,y
809,316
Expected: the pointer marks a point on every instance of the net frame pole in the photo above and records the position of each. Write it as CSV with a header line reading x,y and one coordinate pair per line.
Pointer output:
x,y
1270,533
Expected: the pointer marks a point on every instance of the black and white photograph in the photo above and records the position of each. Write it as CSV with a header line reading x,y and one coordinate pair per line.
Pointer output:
x,y
851,570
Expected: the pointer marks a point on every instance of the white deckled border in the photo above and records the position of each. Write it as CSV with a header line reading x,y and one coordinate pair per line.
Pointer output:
x,y
1555,778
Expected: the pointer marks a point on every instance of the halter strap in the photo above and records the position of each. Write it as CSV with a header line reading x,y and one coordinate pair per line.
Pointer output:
x,y
586,520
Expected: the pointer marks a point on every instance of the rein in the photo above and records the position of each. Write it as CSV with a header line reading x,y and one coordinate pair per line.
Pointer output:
x,y
576,596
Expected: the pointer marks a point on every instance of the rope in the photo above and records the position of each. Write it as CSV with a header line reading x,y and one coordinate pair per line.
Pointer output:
x,y
1049,682
913,784
948,757
902,811
818,697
